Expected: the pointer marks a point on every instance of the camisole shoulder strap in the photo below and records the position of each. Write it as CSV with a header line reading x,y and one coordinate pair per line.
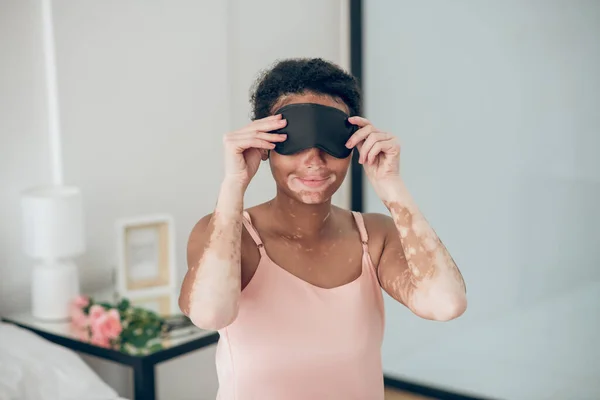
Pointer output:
x,y
253,232
364,238
362,230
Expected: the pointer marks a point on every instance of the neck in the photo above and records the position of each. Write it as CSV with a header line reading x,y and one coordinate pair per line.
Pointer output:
x,y
299,220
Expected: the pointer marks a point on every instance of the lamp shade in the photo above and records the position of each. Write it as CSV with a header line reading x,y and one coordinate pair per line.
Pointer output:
x,y
53,222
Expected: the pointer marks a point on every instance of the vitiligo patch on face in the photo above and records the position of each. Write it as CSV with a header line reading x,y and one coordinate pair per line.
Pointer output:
x,y
314,125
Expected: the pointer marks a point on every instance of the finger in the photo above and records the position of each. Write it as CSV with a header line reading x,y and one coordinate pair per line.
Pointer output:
x,y
264,125
366,147
246,143
359,136
359,121
377,149
387,146
268,118
270,137
268,125
254,144
264,155
373,138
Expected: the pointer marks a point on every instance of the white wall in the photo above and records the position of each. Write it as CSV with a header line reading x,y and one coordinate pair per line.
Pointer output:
x,y
497,110
147,89
142,90
24,157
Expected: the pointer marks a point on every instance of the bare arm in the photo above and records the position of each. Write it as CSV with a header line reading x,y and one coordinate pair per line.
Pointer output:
x,y
416,268
211,287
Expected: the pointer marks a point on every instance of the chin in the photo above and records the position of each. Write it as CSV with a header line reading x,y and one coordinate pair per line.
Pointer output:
x,y
307,197
312,192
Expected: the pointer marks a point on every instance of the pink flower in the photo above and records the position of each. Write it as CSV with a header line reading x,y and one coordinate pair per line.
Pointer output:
x,y
78,318
112,324
81,301
105,324
96,311
99,340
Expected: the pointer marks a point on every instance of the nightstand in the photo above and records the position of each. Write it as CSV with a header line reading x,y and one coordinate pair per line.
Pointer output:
x,y
178,344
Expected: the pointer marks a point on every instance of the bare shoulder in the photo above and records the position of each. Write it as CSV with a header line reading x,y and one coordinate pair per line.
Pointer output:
x,y
200,236
199,230
201,225
378,225
250,253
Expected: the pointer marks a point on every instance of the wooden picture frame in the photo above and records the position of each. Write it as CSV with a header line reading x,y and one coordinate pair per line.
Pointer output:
x,y
146,257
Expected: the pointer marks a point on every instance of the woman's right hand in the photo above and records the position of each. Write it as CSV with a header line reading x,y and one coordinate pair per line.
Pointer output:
x,y
246,147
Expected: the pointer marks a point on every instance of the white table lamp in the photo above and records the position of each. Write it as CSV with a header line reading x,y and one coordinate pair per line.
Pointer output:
x,y
53,233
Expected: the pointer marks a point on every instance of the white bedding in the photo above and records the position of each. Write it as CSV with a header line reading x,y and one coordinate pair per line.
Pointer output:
x,y
32,368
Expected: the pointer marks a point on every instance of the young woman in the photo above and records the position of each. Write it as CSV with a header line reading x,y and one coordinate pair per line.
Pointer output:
x,y
294,285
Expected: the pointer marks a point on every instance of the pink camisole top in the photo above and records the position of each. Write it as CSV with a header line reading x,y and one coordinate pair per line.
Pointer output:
x,y
293,340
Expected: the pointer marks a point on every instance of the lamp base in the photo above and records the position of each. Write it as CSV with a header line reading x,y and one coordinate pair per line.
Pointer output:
x,y
54,285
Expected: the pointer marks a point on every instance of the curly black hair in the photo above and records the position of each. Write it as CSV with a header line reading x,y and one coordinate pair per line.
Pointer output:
x,y
301,75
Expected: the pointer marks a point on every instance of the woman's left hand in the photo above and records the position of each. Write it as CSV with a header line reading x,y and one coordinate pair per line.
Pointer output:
x,y
379,152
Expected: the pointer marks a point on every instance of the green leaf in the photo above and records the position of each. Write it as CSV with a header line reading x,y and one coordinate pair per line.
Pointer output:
x,y
123,304
139,341
107,306
155,347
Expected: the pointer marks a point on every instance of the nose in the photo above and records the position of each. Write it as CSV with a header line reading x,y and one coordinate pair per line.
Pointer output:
x,y
313,158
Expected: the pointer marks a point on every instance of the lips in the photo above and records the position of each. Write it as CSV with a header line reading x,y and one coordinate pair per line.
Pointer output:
x,y
314,181
313,178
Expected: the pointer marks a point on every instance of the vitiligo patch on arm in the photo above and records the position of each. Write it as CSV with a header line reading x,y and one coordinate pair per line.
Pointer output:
x,y
426,258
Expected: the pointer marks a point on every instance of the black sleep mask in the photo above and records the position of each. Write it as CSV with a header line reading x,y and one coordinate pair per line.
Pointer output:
x,y
314,125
